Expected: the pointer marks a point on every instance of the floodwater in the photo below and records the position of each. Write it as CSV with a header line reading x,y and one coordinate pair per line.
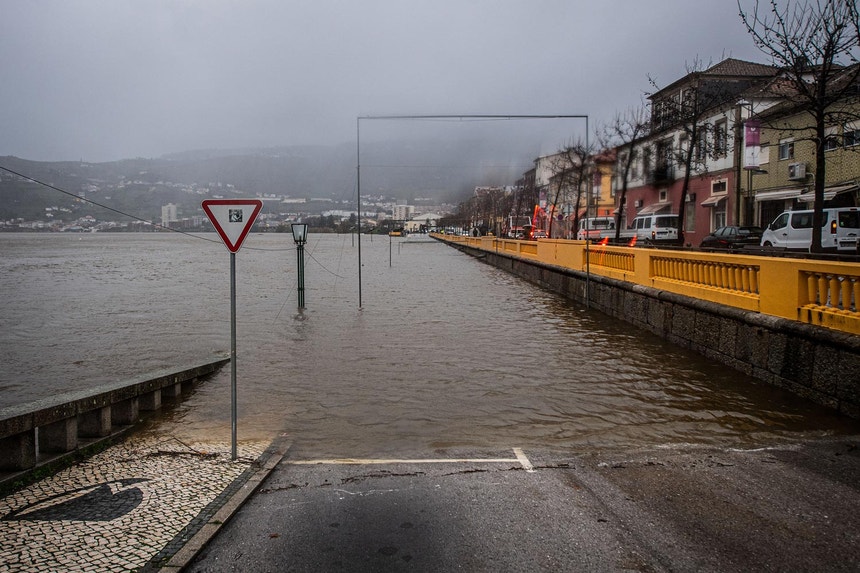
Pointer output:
x,y
446,351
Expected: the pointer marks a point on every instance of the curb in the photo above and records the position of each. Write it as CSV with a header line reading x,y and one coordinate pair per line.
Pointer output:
x,y
191,548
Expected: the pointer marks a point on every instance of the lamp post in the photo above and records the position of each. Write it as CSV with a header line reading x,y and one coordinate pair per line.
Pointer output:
x,y
300,236
750,172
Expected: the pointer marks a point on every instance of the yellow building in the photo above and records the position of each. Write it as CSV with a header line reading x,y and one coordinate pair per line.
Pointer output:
x,y
786,176
603,194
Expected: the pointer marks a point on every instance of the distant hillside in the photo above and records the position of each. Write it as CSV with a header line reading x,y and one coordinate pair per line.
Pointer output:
x,y
405,170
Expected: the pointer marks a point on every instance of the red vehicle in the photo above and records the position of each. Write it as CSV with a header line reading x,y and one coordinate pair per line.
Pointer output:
x,y
517,226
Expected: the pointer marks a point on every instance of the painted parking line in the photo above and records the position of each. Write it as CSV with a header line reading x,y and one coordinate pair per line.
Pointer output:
x,y
527,465
518,452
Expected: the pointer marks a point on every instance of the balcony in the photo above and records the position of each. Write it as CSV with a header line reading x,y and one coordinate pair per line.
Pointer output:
x,y
664,173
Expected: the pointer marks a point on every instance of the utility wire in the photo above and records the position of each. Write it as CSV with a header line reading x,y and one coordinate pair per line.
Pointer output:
x,y
136,218
124,214
97,204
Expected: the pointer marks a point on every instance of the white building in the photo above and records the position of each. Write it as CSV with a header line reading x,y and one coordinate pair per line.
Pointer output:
x,y
403,212
168,214
427,220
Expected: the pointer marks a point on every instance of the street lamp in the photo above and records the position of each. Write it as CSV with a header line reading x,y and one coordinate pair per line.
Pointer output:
x,y
300,236
750,172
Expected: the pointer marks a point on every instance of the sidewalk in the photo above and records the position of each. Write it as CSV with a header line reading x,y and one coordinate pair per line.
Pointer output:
x,y
134,505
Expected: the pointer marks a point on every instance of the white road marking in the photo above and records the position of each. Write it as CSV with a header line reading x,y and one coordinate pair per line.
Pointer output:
x,y
518,452
372,461
521,457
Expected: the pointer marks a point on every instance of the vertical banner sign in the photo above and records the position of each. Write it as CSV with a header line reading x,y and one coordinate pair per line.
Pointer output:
x,y
233,219
752,143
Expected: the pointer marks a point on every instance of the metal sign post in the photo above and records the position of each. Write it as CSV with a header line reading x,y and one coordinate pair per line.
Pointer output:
x,y
233,219
233,401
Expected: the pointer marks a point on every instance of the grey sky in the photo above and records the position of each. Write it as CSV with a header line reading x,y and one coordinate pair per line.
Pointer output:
x,y
111,79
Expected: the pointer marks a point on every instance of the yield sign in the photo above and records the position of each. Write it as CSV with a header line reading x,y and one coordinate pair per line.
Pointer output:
x,y
232,218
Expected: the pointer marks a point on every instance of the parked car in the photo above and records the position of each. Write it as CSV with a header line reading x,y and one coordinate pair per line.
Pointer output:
x,y
840,230
539,234
732,237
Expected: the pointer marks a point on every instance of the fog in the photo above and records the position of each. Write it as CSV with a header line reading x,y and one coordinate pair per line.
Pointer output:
x,y
112,79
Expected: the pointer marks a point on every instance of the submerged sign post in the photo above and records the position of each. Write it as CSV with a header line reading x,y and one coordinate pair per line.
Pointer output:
x,y
233,219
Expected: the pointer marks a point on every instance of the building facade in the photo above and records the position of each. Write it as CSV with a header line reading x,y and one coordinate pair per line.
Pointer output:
x,y
689,163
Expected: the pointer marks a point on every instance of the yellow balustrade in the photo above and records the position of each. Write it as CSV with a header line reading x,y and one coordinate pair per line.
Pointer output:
x,y
814,292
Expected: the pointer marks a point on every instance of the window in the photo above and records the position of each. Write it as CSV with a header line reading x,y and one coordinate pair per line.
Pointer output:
x,y
801,220
719,215
664,152
666,221
849,219
851,134
721,138
688,101
780,222
786,149
831,139
701,144
663,195
718,187
690,216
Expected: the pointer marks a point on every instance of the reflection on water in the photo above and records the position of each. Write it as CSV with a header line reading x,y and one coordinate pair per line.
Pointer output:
x,y
446,351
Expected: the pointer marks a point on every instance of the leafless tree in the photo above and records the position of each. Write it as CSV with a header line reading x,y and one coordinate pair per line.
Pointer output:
x,y
624,134
816,44
570,169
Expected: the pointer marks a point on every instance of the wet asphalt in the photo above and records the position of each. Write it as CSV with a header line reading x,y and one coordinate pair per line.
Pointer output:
x,y
789,507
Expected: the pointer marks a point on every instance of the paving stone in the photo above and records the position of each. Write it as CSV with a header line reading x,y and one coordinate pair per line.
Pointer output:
x,y
119,509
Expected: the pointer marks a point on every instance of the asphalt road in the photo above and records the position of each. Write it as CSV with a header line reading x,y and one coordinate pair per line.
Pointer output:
x,y
787,508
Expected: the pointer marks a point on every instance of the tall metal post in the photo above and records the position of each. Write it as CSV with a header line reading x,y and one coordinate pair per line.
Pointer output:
x,y
233,408
300,251
358,198
587,233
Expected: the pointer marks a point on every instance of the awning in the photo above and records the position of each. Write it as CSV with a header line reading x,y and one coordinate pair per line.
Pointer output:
x,y
713,200
654,208
829,192
779,195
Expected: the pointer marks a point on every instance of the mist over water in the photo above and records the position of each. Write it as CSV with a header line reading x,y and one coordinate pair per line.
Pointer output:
x,y
446,352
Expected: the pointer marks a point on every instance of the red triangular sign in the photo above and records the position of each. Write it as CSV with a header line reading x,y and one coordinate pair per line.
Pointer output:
x,y
232,218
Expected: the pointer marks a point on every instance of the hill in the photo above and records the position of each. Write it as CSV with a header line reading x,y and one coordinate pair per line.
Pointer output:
x,y
402,170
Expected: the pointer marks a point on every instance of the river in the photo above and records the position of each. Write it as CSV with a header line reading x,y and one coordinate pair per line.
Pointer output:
x,y
446,352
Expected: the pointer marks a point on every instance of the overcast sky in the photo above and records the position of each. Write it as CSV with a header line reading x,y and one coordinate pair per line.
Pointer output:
x,y
112,79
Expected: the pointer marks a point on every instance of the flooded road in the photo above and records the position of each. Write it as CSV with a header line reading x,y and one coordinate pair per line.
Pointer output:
x,y
446,352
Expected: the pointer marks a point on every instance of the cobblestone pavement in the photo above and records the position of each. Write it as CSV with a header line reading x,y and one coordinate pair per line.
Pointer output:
x,y
134,504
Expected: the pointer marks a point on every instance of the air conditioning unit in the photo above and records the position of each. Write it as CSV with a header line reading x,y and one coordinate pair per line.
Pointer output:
x,y
796,171
638,203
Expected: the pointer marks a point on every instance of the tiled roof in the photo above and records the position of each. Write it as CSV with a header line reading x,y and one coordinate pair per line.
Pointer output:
x,y
777,86
733,67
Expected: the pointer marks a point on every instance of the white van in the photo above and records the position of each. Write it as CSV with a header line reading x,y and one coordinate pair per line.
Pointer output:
x,y
653,228
595,228
793,230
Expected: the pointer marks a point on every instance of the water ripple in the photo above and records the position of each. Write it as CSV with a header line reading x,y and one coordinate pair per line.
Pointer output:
x,y
446,351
